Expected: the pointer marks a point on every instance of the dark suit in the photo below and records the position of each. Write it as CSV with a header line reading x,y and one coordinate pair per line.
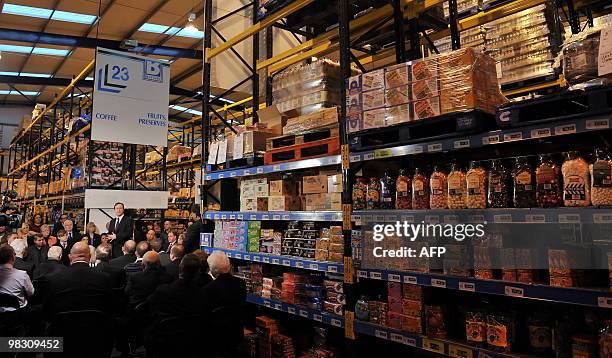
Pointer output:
x,y
65,252
133,268
21,264
73,237
122,261
95,241
123,231
164,258
37,256
141,285
177,299
192,237
78,288
116,274
225,290
48,268
172,269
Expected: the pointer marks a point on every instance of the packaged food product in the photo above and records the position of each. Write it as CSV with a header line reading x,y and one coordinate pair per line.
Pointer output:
x,y
456,188
398,114
354,122
438,198
524,184
420,190
373,80
427,107
584,346
476,183
354,85
373,99
580,59
387,191
476,328
435,325
601,179
373,194
397,95
540,334
499,182
605,340
360,189
362,309
425,89
548,186
576,180
374,118
397,75
424,69
403,190
500,332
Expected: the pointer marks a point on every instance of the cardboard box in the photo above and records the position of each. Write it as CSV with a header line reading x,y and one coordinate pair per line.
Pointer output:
x,y
272,119
261,190
425,108
282,187
373,99
323,118
254,204
353,85
397,75
253,141
314,184
314,202
354,123
333,201
398,114
424,69
397,95
334,183
283,203
425,89
374,118
373,80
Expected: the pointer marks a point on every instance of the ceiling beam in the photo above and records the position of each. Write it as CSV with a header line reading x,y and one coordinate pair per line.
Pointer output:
x,y
86,42
148,17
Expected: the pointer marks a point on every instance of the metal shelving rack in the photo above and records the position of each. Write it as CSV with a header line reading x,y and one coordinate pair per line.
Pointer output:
x,y
347,40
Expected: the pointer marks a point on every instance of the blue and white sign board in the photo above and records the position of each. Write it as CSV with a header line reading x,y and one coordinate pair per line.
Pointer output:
x,y
130,102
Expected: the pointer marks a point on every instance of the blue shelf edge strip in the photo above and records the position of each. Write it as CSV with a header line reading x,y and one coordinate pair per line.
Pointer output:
x,y
318,316
443,347
275,215
577,296
538,131
274,168
562,215
305,264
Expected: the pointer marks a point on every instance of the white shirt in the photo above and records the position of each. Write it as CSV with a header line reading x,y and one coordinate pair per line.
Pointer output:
x,y
16,283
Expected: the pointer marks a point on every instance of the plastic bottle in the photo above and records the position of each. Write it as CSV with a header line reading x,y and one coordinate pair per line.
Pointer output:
x,y
524,184
499,186
403,190
576,180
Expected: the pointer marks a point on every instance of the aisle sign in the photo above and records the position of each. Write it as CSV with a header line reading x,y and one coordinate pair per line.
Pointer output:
x,y
130,102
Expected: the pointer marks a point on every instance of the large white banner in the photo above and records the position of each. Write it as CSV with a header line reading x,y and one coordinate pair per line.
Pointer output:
x,y
130,102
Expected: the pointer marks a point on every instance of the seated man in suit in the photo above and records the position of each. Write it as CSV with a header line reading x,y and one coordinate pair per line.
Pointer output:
x,y
14,282
37,253
141,249
223,300
103,254
62,242
79,287
141,285
72,232
20,247
128,249
176,255
52,265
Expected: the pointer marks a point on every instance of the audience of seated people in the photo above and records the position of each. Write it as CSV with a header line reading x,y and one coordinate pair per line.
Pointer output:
x,y
147,285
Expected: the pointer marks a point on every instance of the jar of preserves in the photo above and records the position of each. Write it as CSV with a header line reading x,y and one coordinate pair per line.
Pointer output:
x,y
456,187
601,179
403,190
360,188
576,180
476,328
476,184
387,191
605,340
438,185
499,186
373,197
524,184
548,186
420,190
540,334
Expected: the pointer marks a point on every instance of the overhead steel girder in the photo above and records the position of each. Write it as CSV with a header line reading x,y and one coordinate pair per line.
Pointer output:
x,y
63,82
89,42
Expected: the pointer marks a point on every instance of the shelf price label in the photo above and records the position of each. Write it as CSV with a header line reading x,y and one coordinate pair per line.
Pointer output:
x,y
476,218
246,172
565,129
267,303
540,133
247,257
286,217
332,268
535,218
434,147
432,219
467,286
256,258
375,275
602,218
238,256
232,217
502,218
417,149
355,158
304,313
362,274
451,219
240,216
513,291
382,153
265,217
266,260
232,174
313,266
433,345
410,341
276,217
390,218
394,277
368,156
491,139
278,306
456,351
408,218
317,317
380,334
299,264
605,302
598,124
396,338
436,282
379,218
221,176
291,310
460,144
253,217
569,218
511,137
410,279
275,261
276,168
336,322
260,170
223,216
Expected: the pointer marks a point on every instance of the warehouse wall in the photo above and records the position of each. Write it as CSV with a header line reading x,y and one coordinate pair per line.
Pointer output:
x,y
10,118
227,70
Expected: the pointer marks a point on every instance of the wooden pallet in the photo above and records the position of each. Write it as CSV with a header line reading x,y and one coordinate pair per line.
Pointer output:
x,y
446,125
295,139
319,148
568,105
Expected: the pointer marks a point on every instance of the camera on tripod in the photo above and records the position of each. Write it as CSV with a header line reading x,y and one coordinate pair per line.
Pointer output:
x,y
9,220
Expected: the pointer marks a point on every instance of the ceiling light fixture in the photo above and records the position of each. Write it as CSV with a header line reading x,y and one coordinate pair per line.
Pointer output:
x,y
191,26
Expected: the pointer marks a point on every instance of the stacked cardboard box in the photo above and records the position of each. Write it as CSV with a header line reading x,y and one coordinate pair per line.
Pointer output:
x,y
293,288
283,195
266,328
254,228
311,121
254,194
322,192
299,242
330,246
271,287
335,298
282,346
231,235
270,241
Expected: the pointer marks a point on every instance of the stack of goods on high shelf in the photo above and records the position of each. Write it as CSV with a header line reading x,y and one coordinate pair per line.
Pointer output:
x,y
458,81
107,161
317,192
178,153
471,38
464,7
176,213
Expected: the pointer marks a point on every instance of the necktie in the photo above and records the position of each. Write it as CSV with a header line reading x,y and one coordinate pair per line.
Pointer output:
x,y
117,220
70,236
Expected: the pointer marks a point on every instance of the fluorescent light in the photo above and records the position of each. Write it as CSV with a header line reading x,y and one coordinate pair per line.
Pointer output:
x,y
89,78
43,75
43,13
184,109
36,50
12,92
170,30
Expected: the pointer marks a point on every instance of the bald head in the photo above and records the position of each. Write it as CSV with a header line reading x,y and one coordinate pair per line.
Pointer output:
x,y
129,247
80,252
54,253
150,260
